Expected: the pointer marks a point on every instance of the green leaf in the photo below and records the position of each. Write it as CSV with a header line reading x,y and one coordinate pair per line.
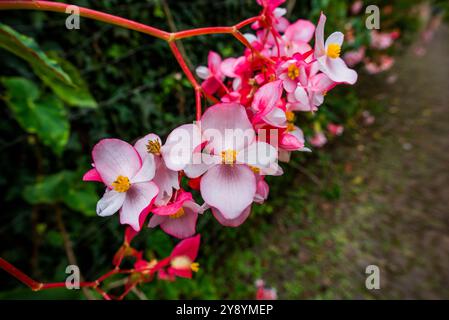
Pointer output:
x,y
44,116
64,187
59,74
76,96
82,198
27,49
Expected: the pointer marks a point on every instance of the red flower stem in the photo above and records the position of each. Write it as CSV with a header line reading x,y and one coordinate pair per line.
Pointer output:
x,y
127,290
84,12
63,285
108,274
189,76
198,104
103,293
19,275
246,22
129,24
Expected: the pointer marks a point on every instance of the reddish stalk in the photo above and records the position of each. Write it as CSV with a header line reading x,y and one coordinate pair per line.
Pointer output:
x,y
19,275
132,25
84,12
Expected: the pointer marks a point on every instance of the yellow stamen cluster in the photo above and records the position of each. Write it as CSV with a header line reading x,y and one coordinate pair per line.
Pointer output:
x,y
228,156
154,147
121,184
290,121
293,71
290,116
255,169
195,266
178,214
290,127
333,50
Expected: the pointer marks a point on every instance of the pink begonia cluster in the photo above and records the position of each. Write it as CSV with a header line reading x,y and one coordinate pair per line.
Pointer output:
x,y
237,142
379,42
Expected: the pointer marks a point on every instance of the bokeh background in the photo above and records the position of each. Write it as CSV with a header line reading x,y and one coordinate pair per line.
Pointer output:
x,y
375,195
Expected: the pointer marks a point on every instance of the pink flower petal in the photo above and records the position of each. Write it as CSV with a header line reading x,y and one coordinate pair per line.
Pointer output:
x,y
267,97
174,207
113,157
211,85
187,247
180,145
138,201
166,180
147,171
110,203
228,66
214,62
319,37
301,30
262,190
337,71
258,154
335,38
237,221
203,72
182,227
226,126
92,175
228,188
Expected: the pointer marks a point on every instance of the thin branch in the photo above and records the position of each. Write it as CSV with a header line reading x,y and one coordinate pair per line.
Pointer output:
x,y
69,248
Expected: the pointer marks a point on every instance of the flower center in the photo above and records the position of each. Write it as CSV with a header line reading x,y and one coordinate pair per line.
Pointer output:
x,y
290,116
178,214
290,127
195,266
333,50
293,71
121,184
184,262
228,156
154,147
255,169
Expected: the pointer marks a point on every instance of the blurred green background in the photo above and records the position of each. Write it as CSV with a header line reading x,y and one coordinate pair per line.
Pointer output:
x,y
126,85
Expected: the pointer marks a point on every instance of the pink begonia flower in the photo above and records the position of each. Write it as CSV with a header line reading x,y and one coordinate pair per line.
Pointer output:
x,y
292,139
265,293
165,179
297,37
353,58
318,140
292,73
178,218
328,55
384,63
273,15
128,181
311,87
368,118
356,7
265,103
335,129
182,259
382,40
229,184
212,74
262,190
